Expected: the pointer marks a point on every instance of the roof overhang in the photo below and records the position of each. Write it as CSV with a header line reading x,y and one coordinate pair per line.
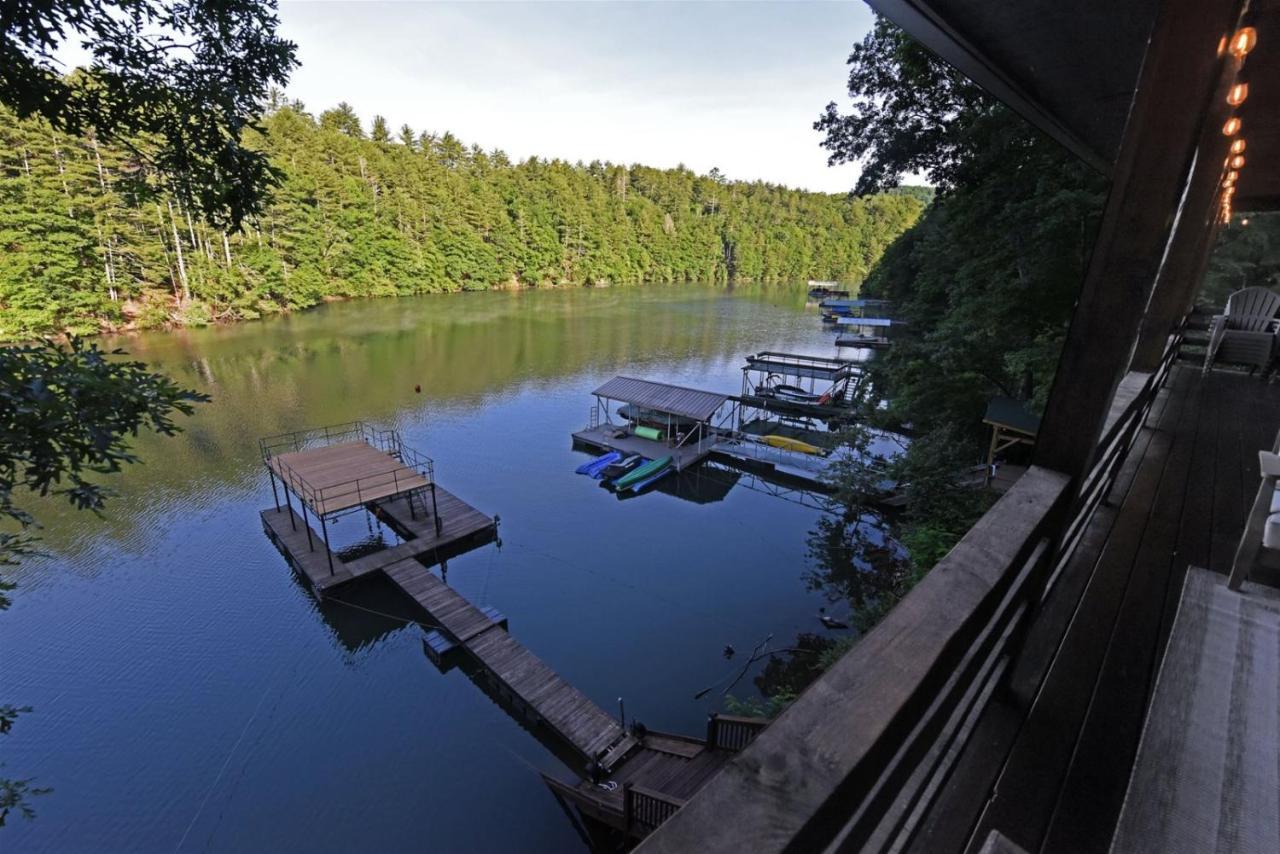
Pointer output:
x,y
663,397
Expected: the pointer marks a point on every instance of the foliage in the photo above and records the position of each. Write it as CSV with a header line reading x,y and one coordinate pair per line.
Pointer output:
x,y
67,413
988,277
1247,255
942,503
359,217
176,84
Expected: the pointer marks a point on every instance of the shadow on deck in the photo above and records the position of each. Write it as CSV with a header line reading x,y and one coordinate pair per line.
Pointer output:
x,y
1052,777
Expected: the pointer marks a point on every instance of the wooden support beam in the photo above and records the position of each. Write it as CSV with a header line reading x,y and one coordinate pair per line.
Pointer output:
x,y
1179,75
1194,234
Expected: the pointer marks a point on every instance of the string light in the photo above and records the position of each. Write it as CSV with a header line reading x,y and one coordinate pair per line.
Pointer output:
x,y
1232,127
1238,146
1230,179
1236,162
1237,94
1243,41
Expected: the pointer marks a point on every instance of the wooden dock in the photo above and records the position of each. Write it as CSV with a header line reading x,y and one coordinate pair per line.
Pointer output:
x,y
520,676
611,437
461,526
658,776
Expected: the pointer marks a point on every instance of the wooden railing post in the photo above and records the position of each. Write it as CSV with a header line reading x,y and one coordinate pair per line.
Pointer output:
x,y
713,730
627,816
1179,76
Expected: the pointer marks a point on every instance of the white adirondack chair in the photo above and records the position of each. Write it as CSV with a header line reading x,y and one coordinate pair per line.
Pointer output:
x,y
1248,332
1262,526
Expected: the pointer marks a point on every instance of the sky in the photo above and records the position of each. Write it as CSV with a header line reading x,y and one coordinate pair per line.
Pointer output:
x,y
735,86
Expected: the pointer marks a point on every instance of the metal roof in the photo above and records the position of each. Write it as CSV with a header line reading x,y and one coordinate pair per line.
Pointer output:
x,y
663,397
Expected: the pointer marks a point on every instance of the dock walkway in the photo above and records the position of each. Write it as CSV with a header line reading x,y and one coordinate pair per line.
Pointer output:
x,y
564,709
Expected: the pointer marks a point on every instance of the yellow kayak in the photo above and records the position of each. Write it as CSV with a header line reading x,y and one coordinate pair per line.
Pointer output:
x,y
788,444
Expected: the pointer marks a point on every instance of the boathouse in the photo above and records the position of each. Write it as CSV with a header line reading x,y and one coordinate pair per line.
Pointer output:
x,y
655,420
1077,675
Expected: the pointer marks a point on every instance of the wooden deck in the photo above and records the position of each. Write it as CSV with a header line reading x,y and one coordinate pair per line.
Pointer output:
x,y
1205,780
460,525
602,440
1049,765
344,475
656,776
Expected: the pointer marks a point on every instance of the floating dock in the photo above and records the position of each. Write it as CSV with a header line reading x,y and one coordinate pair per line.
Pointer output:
x,y
330,472
683,417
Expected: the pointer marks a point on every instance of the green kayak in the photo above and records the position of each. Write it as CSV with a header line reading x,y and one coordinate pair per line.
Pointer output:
x,y
638,474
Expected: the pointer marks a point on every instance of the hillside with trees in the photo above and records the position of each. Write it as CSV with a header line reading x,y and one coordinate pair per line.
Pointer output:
x,y
386,213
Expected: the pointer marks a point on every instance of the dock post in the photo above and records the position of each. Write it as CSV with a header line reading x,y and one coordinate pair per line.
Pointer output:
x,y
324,527
275,496
289,504
626,806
307,524
435,509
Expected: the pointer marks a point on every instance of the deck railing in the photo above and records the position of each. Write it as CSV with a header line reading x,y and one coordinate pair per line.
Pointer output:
x,y
862,773
732,732
646,809
1135,395
352,491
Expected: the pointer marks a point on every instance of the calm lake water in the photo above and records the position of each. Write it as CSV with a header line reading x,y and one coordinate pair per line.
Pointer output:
x,y
190,695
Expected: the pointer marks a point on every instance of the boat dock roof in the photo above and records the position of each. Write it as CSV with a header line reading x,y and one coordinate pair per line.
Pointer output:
x,y
852,303
663,397
797,365
865,321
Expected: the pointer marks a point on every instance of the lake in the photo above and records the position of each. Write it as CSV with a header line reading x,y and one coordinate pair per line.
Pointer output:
x,y
190,694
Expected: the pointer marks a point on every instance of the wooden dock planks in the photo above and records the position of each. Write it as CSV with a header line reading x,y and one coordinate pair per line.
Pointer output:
x,y
459,522
564,709
348,474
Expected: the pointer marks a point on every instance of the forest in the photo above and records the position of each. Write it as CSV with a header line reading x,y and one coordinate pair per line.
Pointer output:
x,y
87,248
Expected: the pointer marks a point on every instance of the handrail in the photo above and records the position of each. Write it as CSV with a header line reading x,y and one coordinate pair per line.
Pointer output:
x,y
646,809
318,498
914,676
732,732
918,681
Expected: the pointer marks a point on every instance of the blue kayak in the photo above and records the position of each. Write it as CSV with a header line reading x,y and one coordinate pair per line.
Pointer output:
x,y
596,466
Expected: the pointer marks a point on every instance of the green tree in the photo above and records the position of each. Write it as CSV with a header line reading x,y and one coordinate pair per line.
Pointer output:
x,y
190,77
987,278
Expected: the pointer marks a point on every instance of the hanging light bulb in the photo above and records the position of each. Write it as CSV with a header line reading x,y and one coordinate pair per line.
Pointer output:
x,y
1236,162
1243,41
1237,94
1238,146
1232,127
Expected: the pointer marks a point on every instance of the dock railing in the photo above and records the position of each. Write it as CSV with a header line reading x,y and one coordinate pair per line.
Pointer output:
x,y
349,492
732,732
644,810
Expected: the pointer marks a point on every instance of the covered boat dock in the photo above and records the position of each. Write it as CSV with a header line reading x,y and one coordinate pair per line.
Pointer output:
x,y
829,393
654,420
